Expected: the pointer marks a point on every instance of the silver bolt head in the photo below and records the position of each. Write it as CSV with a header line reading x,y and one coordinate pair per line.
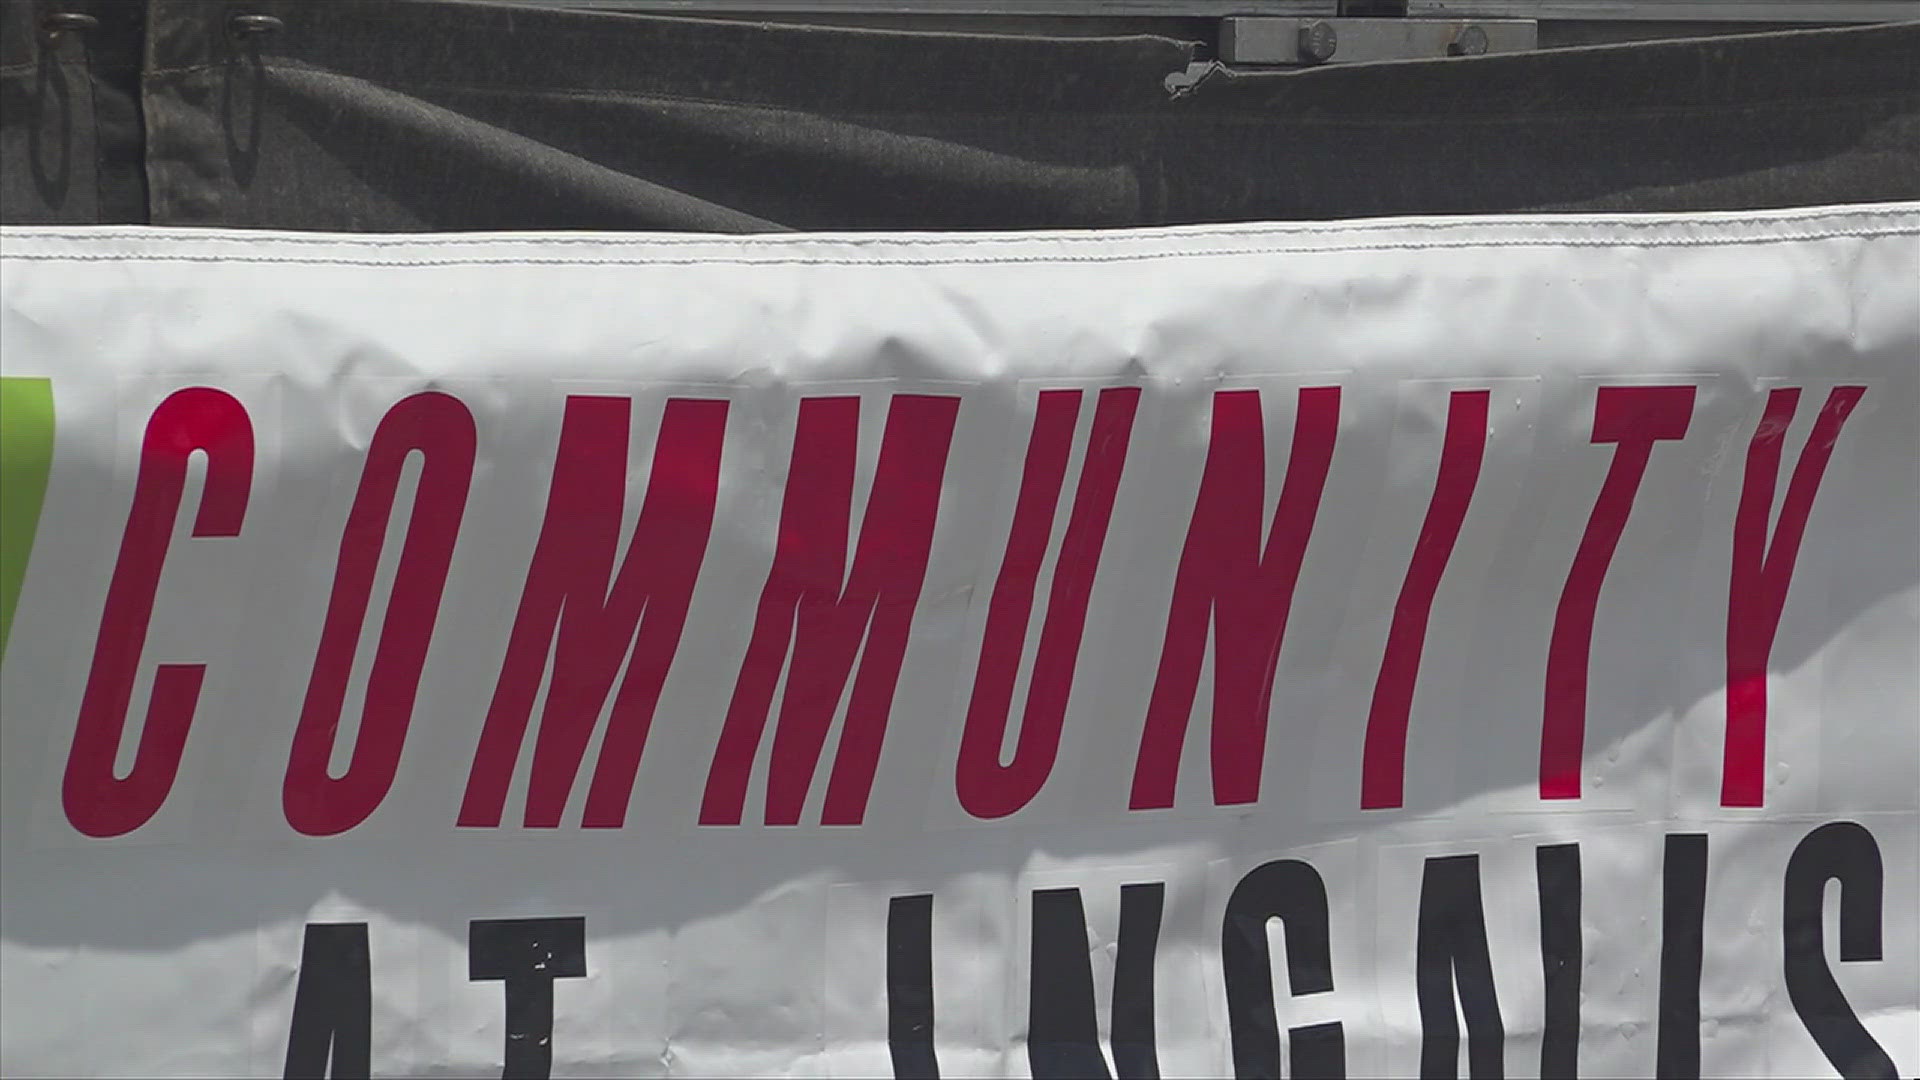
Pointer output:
x,y
1318,42
1471,41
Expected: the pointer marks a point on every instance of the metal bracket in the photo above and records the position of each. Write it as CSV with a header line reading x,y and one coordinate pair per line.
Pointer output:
x,y
1293,42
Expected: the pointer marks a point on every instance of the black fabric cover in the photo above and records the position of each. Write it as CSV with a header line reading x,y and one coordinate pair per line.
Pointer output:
x,y
392,115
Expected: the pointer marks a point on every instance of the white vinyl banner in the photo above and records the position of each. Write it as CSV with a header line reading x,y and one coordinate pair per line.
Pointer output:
x,y
1453,648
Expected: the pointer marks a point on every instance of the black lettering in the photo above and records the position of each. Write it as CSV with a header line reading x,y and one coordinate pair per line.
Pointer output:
x,y
910,987
1291,891
527,955
1450,950
1136,1056
1063,1036
1840,851
332,1005
1557,868
1683,914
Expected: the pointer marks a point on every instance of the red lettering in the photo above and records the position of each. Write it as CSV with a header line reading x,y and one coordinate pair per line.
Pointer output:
x,y
987,788
1384,760
567,592
1762,573
195,419
1223,570
441,430
1634,418
804,602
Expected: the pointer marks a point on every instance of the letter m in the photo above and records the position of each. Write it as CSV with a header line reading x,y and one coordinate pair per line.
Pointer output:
x,y
571,591
829,624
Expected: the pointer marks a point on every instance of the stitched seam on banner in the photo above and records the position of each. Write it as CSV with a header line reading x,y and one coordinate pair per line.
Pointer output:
x,y
963,241
723,260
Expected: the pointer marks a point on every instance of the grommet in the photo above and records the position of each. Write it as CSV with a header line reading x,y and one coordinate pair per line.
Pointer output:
x,y
1472,41
246,26
66,22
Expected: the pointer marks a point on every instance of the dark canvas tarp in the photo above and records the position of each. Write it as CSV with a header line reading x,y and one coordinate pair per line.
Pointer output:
x,y
428,114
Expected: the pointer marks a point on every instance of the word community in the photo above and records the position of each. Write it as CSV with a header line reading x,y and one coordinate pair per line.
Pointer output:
x,y
830,623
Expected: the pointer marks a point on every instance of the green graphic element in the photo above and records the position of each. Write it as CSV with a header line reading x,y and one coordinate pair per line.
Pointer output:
x,y
26,455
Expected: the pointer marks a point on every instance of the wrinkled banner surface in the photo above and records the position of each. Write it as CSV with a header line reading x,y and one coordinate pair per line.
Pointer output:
x,y
1420,647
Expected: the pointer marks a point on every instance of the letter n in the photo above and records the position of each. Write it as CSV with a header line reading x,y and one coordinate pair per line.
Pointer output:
x,y
1063,1031
1451,952
1226,574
